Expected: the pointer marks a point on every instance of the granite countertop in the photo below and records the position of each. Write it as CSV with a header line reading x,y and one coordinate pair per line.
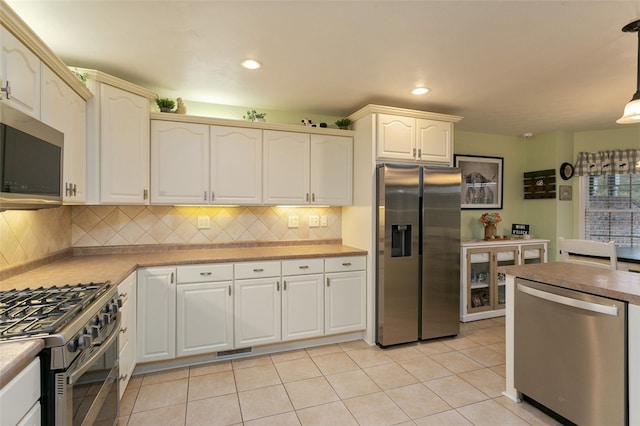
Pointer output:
x,y
16,356
116,267
618,285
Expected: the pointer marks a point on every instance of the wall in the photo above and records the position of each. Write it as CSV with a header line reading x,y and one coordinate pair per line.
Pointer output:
x,y
27,236
93,226
512,149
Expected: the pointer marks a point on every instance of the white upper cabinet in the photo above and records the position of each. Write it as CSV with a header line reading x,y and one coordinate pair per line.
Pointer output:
x,y
64,110
331,170
414,139
21,72
117,140
179,162
286,168
236,165
434,141
302,169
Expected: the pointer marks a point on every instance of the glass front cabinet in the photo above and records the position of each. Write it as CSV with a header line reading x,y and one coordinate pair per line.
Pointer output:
x,y
482,286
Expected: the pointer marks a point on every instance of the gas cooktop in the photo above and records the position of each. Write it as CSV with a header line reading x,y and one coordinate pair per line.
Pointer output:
x,y
45,310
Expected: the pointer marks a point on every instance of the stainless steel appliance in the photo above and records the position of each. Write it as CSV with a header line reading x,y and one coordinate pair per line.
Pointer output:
x,y
418,249
571,353
80,325
30,162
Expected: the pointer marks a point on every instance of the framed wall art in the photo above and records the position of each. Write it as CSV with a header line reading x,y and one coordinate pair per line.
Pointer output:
x,y
482,178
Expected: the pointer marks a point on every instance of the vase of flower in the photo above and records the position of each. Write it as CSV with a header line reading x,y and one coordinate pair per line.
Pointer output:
x,y
489,221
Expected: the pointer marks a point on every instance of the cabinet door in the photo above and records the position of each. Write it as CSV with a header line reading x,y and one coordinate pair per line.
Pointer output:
x,y
396,138
179,163
344,305
302,306
532,253
204,318
21,70
435,141
156,314
479,288
331,170
504,256
257,311
124,146
127,338
286,168
236,165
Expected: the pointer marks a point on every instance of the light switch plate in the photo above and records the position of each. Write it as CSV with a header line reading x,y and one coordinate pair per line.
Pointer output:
x,y
293,222
314,221
324,221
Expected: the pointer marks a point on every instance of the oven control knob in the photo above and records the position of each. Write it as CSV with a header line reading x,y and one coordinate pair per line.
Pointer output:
x,y
96,320
106,318
84,341
113,307
72,345
95,331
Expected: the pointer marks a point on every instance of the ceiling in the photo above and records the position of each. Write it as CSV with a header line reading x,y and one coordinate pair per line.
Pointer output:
x,y
508,67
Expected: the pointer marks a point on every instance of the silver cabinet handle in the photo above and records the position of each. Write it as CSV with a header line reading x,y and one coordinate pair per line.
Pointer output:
x,y
277,285
171,279
229,290
74,189
123,295
568,301
303,267
205,195
123,377
414,153
7,89
313,196
284,285
205,274
307,197
213,195
327,282
346,264
123,330
258,270
145,194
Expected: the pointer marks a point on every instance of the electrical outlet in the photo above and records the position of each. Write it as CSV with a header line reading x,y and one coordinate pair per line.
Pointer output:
x,y
314,221
324,221
293,222
204,222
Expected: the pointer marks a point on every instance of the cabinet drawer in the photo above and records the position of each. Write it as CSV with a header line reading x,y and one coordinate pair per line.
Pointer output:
x,y
257,269
502,256
302,266
205,273
479,258
532,253
343,264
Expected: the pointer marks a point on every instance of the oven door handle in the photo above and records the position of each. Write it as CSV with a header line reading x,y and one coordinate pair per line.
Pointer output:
x,y
104,346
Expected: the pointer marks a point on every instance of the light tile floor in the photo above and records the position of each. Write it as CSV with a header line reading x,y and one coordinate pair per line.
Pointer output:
x,y
453,381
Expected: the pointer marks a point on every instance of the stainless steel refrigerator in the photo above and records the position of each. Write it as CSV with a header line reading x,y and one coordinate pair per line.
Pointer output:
x,y
418,249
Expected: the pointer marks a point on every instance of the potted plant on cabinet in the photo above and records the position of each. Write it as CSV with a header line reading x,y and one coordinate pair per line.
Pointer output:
x,y
343,123
165,104
254,116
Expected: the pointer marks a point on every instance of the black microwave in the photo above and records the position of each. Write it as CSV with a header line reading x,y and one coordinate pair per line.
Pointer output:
x,y
30,162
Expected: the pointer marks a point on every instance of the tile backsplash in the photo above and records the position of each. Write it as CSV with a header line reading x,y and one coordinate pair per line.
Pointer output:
x,y
94,226
26,236
29,236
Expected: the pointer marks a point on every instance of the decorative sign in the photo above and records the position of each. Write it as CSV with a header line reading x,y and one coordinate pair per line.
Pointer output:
x,y
540,184
519,229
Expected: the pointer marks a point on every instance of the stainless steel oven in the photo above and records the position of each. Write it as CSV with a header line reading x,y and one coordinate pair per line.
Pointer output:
x,y
80,324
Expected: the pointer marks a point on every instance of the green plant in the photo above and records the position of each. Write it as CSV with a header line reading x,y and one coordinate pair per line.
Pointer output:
x,y
253,115
82,76
165,103
343,123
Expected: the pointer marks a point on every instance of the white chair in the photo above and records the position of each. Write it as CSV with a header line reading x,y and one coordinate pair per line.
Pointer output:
x,y
587,252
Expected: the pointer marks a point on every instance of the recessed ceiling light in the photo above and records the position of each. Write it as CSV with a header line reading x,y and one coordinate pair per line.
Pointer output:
x,y
251,64
419,91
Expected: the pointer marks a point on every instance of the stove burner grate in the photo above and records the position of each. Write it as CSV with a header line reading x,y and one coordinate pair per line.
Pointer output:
x,y
43,311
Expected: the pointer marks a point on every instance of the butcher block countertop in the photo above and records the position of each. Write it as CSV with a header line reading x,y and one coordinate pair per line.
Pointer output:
x,y
117,266
618,285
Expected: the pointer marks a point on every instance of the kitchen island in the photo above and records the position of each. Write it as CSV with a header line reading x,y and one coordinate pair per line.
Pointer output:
x,y
619,285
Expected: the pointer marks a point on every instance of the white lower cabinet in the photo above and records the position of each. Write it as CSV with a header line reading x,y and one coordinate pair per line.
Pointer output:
x,y
156,314
20,398
127,339
302,299
344,294
204,311
257,303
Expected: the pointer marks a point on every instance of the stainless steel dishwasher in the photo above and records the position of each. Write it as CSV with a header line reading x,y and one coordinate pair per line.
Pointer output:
x,y
571,353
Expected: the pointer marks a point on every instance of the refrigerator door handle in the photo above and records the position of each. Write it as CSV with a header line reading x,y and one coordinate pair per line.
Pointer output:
x,y
568,301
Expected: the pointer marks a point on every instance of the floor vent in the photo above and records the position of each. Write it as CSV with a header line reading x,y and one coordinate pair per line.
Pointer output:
x,y
233,353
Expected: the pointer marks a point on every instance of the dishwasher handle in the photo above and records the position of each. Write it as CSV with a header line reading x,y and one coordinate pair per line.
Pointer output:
x,y
568,301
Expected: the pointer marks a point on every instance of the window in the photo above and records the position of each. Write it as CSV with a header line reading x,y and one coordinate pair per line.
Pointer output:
x,y
612,211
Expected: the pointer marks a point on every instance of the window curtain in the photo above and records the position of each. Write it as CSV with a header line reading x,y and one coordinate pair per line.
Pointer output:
x,y
620,161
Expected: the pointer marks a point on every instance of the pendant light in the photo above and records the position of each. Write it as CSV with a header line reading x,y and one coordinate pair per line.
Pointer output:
x,y
632,109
